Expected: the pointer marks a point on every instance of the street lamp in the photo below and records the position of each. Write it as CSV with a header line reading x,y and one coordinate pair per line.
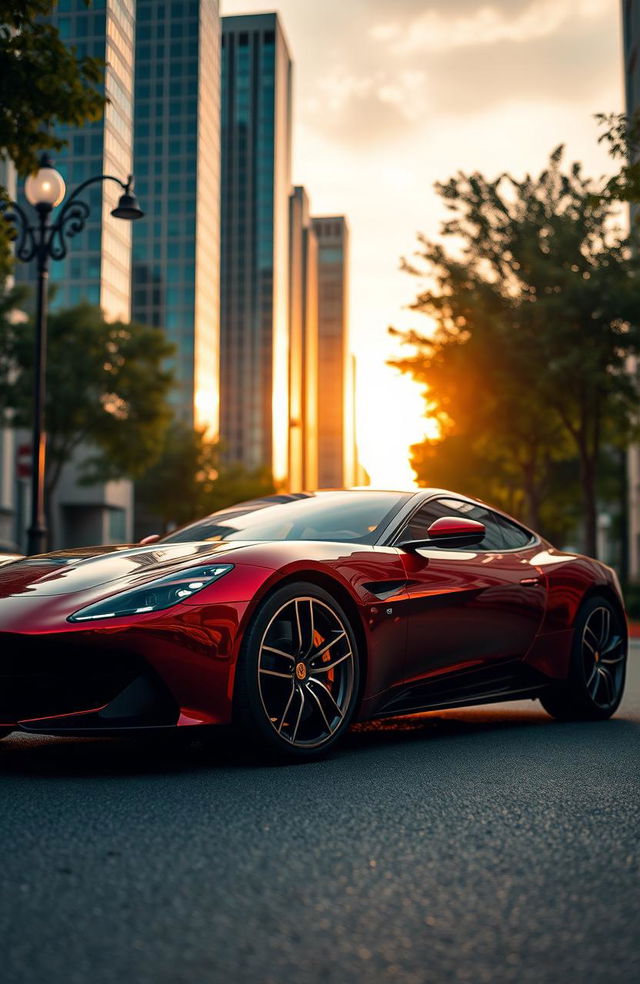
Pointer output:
x,y
41,242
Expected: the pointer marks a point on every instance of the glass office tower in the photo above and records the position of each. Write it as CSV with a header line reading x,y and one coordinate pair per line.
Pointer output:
x,y
303,345
336,465
177,154
255,185
97,268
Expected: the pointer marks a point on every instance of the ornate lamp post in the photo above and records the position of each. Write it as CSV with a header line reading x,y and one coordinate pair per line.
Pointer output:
x,y
41,242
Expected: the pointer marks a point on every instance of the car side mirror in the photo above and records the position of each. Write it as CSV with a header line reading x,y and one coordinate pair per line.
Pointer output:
x,y
152,538
449,531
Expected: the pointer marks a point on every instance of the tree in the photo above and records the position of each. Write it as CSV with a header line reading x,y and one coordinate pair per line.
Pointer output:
x,y
43,84
187,481
621,134
533,327
106,387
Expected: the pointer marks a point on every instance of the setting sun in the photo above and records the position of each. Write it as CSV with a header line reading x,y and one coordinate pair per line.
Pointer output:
x,y
390,419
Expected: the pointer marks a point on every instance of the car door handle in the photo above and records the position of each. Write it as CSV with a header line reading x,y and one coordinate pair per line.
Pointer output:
x,y
530,582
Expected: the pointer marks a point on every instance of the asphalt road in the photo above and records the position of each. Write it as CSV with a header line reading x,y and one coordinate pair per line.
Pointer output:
x,y
488,844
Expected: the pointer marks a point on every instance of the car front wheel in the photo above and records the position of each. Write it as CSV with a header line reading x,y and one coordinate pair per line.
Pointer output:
x,y
595,685
298,675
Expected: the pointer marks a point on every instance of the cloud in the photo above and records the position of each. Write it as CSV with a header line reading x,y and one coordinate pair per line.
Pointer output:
x,y
384,75
368,108
462,25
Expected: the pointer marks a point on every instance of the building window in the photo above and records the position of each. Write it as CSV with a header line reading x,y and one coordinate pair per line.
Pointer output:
x,y
117,525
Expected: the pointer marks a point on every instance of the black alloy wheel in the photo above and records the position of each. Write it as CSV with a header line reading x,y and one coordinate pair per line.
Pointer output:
x,y
298,674
595,685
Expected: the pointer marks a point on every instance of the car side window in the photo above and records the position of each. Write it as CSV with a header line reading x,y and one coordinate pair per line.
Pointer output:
x,y
500,533
515,536
416,528
493,538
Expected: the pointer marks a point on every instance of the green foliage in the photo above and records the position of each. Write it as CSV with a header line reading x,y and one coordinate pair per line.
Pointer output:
x,y
43,83
621,134
106,387
525,369
187,481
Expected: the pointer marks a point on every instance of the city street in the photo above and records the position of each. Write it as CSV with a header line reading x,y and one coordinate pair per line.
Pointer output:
x,y
489,844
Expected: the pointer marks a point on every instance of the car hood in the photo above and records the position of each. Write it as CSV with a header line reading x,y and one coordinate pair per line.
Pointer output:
x,y
72,571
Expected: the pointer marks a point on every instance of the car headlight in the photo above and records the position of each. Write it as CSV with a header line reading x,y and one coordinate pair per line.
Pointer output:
x,y
153,597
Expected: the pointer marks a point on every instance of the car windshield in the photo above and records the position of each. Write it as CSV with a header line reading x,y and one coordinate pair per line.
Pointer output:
x,y
342,516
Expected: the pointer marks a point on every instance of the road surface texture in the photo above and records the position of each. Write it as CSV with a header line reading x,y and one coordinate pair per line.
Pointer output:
x,y
489,844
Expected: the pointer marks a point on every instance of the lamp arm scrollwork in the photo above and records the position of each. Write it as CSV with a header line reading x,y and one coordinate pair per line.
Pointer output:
x,y
70,222
73,216
25,244
52,239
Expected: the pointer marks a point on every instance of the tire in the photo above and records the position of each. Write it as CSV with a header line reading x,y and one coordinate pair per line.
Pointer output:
x,y
595,685
298,673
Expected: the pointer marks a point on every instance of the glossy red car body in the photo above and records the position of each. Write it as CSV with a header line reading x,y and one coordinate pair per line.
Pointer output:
x,y
435,627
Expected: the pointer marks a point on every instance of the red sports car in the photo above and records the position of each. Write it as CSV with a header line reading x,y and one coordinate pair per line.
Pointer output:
x,y
293,615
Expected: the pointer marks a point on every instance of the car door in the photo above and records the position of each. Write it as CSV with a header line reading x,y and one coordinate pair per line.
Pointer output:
x,y
468,607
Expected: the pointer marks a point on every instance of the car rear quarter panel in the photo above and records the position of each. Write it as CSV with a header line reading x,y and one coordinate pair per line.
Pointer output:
x,y
570,579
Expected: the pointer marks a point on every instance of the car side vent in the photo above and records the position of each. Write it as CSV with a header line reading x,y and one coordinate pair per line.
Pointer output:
x,y
385,589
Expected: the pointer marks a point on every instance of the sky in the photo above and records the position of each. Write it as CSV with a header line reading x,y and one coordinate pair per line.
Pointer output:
x,y
391,96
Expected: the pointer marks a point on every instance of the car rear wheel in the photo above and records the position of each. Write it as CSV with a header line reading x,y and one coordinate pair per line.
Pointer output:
x,y
298,677
595,684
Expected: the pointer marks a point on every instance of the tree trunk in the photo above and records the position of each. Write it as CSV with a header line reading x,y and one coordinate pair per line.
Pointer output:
x,y
532,508
589,501
531,490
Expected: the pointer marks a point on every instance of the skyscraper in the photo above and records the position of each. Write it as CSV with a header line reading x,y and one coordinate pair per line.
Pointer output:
x,y
631,41
176,154
255,186
336,466
98,266
303,346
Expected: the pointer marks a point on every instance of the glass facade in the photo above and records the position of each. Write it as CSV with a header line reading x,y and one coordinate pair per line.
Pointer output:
x,y
98,267
336,465
303,346
256,183
176,153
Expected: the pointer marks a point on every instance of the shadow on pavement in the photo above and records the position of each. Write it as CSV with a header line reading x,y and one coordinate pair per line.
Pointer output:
x,y
180,753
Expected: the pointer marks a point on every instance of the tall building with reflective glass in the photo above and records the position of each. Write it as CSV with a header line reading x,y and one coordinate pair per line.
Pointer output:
x,y
336,465
254,295
97,268
303,345
177,166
